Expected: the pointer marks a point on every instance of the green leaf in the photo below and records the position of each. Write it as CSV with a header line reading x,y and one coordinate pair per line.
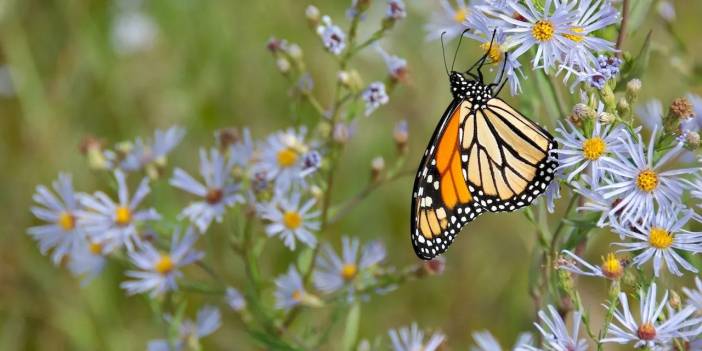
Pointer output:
x,y
634,68
271,342
348,341
638,11
304,260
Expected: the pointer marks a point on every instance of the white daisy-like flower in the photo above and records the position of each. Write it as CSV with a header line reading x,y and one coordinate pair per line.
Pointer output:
x,y
374,96
290,291
87,261
611,267
556,336
449,19
217,193
157,271
291,219
412,338
62,233
208,320
113,224
694,297
650,331
640,182
235,299
333,37
144,153
485,341
241,153
579,152
334,273
553,191
282,159
596,202
661,238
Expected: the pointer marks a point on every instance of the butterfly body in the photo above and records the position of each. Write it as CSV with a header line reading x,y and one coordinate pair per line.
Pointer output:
x,y
484,156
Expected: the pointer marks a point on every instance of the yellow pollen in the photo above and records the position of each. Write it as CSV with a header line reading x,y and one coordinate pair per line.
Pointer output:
x,y
66,221
287,157
164,265
292,219
594,148
646,332
612,267
123,216
95,249
543,30
647,180
297,295
575,37
495,53
460,15
348,271
660,238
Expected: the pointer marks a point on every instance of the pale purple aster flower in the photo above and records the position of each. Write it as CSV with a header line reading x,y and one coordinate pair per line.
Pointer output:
x,y
695,123
87,261
660,238
291,219
449,19
485,341
334,273
157,272
218,192
396,10
290,291
113,224
144,153
553,191
241,153
639,181
555,333
235,299
333,37
282,159
694,297
374,96
606,67
596,202
412,338
208,320
650,331
397,66
62,233
611,268
651,114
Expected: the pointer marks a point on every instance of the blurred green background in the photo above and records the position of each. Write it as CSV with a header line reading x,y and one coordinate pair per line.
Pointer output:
x,y
206,68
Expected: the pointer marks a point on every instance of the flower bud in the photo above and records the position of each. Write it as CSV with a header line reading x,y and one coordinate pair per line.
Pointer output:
x,y
351,79
401,136
583,112
295,51
434,266
226,137
692,140
633,87
342,133
377,168
606,118
312,14
608,98
283,65
674,300
623,107
681,108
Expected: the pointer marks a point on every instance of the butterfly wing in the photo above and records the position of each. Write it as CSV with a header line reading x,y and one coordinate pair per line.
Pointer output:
x,y
506,157
442,202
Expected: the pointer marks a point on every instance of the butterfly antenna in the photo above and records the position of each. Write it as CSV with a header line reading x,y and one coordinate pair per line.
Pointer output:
x,y
443,52
458,47
504,64
481,60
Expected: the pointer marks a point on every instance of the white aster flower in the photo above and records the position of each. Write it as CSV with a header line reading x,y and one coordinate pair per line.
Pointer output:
x,y
332,36
661,238
235,299
291,219
650,332
113,224
290,291
87,261
157,272
217,193
374,96
596,202
412,339
640,183
145,153
651,114
241,153
694,297
61,234
334,273
485,341
208,320
555,333
611,268
449,19
282,159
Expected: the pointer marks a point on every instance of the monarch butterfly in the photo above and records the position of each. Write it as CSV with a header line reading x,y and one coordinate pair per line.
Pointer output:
x,y
484,155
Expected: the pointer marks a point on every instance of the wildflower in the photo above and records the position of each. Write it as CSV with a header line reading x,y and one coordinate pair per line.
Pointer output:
x,y
579,151
555,333
87,261
311,163
343,132
312,14
650,332
133,32
61,233
661,238
208,320
449,19
396,10
401,136
291,220
651,114
234,299
143,154
485,341
666,11
633,87
333,38
290,291
374,96
694,297
435,266
411,339
596,202
282,158
377,168
334,273
217,193
113,224
241,152
157,272
640,182
397,66
611,268
605,69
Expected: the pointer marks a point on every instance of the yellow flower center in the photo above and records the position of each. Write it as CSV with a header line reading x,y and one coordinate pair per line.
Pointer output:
x,y
297,295
164,265
543,30
123,216
660,238
612,267
575,37
460,15
594,148
292,219
646,332
495,52
95,248
287,157
647,180
348,271
66,221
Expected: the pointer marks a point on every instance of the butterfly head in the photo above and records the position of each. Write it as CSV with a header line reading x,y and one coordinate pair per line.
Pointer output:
x,y
463,88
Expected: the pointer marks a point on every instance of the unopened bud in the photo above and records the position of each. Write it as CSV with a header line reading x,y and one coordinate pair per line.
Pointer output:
x,y
692,140
674,300
377,168
681,108
312,14
606,118
435,266
608,98
623,107
401,136
226,137
295,51
351,79
633,87
342,133
361,5
283,65
583,112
